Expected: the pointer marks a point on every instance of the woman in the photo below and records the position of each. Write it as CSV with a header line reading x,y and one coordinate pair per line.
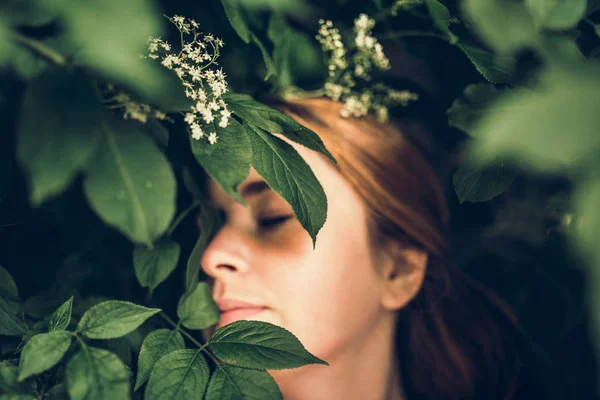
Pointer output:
x,y
379,298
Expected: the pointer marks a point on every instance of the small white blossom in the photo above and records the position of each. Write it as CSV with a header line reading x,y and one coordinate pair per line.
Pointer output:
x,y
346,70
212,137
189,118
197,132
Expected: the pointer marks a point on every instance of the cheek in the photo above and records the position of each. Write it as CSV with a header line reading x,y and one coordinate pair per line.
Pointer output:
x,y
330,296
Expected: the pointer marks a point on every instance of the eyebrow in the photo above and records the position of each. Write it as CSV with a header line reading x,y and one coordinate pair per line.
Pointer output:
x,y
254,188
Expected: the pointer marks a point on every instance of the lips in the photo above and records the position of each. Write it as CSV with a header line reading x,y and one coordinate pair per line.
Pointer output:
x,y
234,310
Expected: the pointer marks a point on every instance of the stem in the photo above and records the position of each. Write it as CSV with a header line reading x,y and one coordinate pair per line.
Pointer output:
x,y
41,49
178,328
408,33
201,347
181,216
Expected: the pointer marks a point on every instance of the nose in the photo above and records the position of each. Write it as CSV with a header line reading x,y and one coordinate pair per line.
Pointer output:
x,y
226,254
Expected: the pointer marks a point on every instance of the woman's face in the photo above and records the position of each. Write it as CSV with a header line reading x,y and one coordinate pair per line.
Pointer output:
x,y
328,297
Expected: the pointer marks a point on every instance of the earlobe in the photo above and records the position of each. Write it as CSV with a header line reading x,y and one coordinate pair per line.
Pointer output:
x,y
404,273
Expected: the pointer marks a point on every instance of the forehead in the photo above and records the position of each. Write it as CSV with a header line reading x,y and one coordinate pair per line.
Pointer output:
x,y
323,169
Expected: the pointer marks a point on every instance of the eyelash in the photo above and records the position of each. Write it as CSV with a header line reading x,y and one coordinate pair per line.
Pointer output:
x,y
268,223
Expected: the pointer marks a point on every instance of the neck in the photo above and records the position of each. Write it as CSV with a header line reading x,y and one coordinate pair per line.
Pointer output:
x,y
366,371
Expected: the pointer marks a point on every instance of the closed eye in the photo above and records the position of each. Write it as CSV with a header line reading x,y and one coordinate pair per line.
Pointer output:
x,y
271,222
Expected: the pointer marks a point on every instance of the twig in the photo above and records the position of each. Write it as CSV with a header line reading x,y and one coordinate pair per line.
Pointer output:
x,y
41,49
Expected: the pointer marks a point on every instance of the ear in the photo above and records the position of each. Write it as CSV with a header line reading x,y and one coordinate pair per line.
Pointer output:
x,y
403,274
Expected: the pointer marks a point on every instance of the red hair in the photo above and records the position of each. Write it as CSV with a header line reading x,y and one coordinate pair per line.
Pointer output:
x,y
455,339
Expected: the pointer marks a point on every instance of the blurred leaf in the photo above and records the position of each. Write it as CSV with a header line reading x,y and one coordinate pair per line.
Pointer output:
x,y
181,374
210,221
156,344
505,25
8,287
115,53
273,121
47,301
62,317
28,13
234,15
153,265
57,392
197,309
158,132
548,128
232,383
477,183
286,172
259,345
441,18
271,70
497,68
113,318
97,374
468,109
130,183
228,160
279,32
556,14
25,64
43,352
9,383
59,130
11,309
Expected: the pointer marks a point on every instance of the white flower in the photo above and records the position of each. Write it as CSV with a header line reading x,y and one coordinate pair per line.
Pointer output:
x,y
189,118
197,132
212,138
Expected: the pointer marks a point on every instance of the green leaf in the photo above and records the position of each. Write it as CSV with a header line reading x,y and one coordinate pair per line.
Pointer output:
x,y
271,70
153,265
18,397
496,68
556,14
234,15
548,128
97,374
280,34
130,183
115,53
11,309
60,319
43,352
232,383
274,121
467,110
441,18
9,383
156,344
228,160
113,318
477,183
158,132
286,172
197,309
259,345
8,287
210,220
59,130
181,374
505,25
57,392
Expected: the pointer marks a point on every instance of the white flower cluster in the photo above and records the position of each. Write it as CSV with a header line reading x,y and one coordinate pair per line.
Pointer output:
x,y
141,112
405,4
344,71
203,85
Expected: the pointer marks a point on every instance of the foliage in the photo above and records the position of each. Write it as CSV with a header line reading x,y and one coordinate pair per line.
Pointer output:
x,y
103,151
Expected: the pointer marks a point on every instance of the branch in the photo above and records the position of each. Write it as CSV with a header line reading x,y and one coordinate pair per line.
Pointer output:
x,y
41,49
